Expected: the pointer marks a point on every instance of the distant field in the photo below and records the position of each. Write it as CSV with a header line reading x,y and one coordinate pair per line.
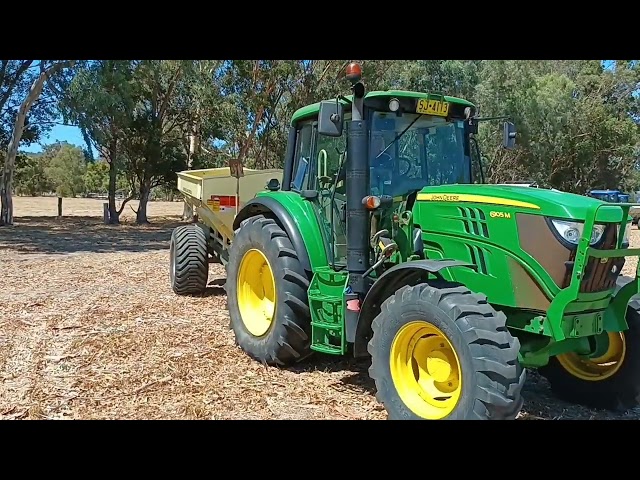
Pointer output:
x,y
87,207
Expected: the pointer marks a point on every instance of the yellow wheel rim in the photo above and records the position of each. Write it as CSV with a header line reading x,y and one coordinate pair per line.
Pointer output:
x,y
256,292
600,368
425,370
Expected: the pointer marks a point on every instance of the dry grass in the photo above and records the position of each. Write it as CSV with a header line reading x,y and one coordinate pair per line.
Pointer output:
x,y
91,330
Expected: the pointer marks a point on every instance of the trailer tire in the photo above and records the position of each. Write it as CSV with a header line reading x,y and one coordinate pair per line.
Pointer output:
x,y
443,353
189,262
267,294
618,387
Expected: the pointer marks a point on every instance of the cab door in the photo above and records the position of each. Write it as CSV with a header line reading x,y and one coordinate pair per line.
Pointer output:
x,y
330,154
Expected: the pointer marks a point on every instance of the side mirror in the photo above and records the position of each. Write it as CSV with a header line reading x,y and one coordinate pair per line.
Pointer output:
x,y
273,185
509,136
330,118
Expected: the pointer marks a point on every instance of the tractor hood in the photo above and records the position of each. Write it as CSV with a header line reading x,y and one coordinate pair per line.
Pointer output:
x,y
540,201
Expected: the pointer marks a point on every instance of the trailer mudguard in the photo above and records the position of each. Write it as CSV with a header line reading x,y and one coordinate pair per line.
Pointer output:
x,y
297,217
408,273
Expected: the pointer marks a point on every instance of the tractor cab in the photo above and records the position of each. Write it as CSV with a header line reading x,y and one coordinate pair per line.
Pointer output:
x,y
363,158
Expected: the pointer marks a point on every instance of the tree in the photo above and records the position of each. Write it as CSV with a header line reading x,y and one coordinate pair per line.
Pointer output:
x,y
200,94
96,178
100,100
31,177
66,170
47,70
153,140
574,118
451,77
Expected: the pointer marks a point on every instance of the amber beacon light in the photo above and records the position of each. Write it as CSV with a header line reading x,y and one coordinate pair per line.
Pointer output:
x,y
353,72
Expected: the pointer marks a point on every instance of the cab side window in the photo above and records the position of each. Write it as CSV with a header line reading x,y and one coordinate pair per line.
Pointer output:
x,y
302,159
330,153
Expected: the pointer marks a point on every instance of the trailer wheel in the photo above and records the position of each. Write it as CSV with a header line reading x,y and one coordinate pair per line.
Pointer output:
x,y
267,294
189,265
611,381
444,353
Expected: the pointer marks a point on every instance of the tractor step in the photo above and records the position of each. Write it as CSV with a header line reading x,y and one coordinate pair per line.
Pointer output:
x,y
327,302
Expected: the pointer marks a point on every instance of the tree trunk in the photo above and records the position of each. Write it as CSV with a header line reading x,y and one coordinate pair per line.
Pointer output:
x,y
59,206
114,216
143,198
6,217
187,213
6,212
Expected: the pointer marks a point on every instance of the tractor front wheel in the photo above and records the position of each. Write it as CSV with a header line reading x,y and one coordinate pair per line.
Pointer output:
x,y
267,294
442,352
611,379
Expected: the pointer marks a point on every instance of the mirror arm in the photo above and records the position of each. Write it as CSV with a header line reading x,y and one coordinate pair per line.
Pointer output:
x,y
486,119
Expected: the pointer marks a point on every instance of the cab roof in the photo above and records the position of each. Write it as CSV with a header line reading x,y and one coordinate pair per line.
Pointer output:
x,y
313,109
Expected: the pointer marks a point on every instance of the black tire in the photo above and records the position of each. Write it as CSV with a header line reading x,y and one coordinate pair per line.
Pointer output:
x,y
492,377
188,260
621,391
288,337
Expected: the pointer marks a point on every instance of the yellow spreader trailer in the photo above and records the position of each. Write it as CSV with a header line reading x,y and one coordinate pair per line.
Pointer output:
x,y
216,196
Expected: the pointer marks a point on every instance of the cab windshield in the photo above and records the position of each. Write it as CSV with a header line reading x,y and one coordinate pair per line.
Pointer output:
x,y
431,152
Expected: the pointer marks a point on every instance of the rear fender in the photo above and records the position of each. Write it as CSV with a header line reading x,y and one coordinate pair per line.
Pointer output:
x,y
298,221
409,273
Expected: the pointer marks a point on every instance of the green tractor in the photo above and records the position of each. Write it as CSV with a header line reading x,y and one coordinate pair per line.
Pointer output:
x,y
384,241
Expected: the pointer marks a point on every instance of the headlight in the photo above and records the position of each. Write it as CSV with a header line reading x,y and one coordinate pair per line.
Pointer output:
x,y
572,231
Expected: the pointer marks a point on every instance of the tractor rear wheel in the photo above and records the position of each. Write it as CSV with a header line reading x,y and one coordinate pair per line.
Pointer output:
x,y
442,352
267,294
611,380
188,260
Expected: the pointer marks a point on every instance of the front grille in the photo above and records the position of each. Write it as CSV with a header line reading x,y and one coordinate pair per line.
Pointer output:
x,y
598,276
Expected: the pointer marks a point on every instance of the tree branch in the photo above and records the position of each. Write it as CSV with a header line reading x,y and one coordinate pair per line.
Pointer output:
x,y
124,203
12,83
167,97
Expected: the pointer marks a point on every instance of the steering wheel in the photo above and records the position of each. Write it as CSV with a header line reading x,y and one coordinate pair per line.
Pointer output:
x,y
402,161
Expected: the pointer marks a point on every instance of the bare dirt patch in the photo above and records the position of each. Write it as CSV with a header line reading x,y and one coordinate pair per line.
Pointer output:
x,y
90,329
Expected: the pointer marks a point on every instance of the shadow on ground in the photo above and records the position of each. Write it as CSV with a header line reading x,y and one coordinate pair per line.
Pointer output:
x,y
30,235
355,372
539,401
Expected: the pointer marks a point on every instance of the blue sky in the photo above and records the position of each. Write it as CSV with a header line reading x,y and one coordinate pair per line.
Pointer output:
x,y
62,133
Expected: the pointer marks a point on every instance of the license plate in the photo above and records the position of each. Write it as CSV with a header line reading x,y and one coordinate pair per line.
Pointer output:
x,y
432,107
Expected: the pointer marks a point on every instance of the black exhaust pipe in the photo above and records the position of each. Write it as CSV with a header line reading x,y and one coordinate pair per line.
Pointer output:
x,y
357,177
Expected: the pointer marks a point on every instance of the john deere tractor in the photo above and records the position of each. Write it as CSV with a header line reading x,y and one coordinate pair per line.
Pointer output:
x,y
384,241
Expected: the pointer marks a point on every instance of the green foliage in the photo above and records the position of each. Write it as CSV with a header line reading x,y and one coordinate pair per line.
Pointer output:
x,y
31,177
61,169
456,78
16,78
577,122
96,177
576,132
66,170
